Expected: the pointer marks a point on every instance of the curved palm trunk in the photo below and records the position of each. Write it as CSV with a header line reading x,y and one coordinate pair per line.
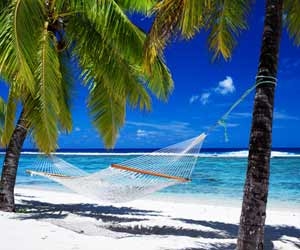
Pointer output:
x,y
10,166
252,221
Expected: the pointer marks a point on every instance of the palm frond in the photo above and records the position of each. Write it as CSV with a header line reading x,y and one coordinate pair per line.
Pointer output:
x,y
122,78
108,113
159,80
19,39
194,17
98,58
174,18
114,26
3,4
142,6
292,12
9,119
101,60
42,108
227,19
65,92
165,25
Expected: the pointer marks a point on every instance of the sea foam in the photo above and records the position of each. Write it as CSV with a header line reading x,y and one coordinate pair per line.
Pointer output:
x,y
230,154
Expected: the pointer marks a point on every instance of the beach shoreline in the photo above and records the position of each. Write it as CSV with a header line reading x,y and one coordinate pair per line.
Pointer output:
x,y
55,219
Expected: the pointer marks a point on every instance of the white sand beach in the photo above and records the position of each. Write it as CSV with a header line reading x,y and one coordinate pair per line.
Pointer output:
x,y
48,219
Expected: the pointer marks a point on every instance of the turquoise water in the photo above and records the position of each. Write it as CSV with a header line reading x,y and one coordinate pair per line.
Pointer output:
x,y
215,175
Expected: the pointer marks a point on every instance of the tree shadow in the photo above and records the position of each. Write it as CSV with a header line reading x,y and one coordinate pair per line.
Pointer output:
x,y
213,246
32,209
164,231
129,220
272,233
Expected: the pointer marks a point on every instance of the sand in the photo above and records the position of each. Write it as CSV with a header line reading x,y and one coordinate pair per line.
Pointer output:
x,y
48,219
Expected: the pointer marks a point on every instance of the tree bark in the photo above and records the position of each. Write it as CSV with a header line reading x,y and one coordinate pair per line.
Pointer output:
x,y
10,165
253,216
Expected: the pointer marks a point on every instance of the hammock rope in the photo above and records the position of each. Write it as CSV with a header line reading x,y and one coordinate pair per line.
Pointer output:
x,y
260,80
139,176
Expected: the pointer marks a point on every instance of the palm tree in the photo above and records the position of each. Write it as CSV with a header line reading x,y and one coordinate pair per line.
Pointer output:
x,y
38,39
224,19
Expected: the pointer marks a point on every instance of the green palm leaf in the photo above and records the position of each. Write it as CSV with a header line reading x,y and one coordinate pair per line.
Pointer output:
x,y
65,91
223,18
103,59
143,6
3,4
108,47
227,19
18,40
121,79
114,26
292,12
194,17
9,116
165,25
174,18
43,108
108,112
160,80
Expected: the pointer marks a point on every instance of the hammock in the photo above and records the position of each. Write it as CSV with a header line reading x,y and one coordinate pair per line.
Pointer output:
x,y
128,180
139,176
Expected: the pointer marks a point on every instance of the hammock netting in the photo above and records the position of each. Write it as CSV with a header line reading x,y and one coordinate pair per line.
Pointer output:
x,y
130,179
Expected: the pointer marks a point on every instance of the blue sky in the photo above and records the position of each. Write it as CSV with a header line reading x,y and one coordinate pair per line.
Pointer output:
x,y
204,90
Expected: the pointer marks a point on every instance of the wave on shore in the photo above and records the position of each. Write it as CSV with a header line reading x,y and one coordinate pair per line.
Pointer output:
x,y
231,154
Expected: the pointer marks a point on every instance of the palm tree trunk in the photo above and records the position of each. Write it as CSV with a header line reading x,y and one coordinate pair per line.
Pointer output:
x,y
253,216
10,165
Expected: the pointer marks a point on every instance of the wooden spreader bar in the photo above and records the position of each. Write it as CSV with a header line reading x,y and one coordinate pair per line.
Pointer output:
x,y
148,172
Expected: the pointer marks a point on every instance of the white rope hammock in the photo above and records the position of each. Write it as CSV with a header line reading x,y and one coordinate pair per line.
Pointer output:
x,y
140,176
129,180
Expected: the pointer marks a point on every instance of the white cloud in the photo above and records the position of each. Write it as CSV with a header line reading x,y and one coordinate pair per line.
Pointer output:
x,y
194,98
241,114
141,133
77,129
172,125
226,86
205,98
166,130
284,116
232,125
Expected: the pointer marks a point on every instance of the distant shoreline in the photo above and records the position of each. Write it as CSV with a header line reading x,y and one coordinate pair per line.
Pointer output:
x,y
206,153
142,150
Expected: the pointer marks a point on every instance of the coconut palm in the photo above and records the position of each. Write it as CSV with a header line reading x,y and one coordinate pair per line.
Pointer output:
x,y
40,41
224,19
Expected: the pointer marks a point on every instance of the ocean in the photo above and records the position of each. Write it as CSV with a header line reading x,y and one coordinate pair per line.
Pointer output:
x,y
219,173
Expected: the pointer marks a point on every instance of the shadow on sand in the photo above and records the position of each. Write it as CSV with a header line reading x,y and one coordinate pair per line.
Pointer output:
x,y
44,210
122,219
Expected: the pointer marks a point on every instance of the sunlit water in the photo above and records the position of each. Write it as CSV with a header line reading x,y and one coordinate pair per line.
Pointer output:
x,y
217,175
